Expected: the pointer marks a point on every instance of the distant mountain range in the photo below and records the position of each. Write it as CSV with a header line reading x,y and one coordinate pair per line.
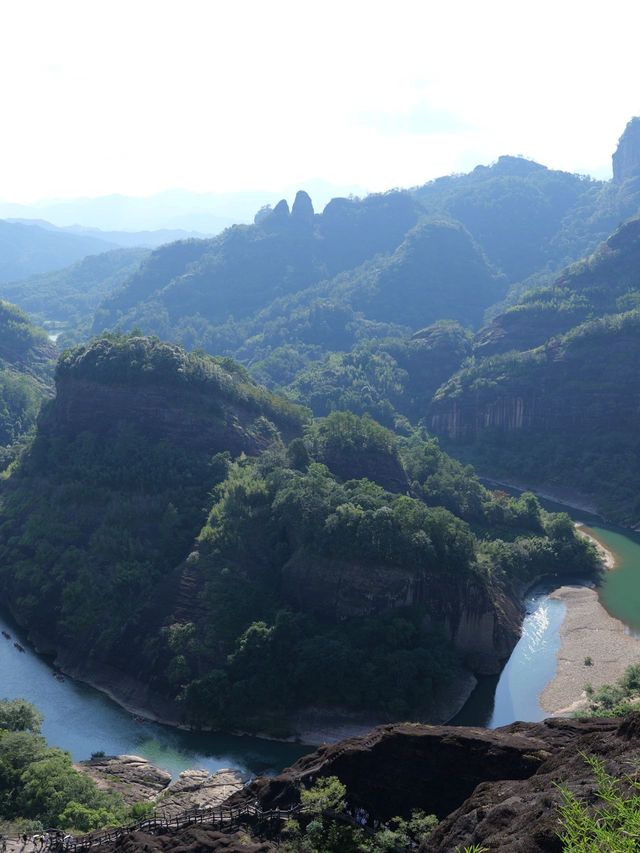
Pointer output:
x,y
124,239
181,210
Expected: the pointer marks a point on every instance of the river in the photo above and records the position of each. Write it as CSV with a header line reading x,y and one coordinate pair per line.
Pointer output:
x,y
83,720
515,693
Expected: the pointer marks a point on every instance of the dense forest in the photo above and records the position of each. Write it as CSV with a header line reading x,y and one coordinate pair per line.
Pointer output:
x,y
549,394
26,378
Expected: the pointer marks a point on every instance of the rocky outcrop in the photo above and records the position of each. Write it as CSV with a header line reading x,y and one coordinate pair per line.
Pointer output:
x,y
626,159
497,789
302,210
396,768
277,218
198,789
482,624
137,780
131,776
522,814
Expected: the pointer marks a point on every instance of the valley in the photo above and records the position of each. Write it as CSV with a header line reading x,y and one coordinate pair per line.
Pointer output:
x,y
239,509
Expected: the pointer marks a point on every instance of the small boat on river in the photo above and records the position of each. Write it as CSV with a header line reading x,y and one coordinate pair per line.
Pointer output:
x,y
19,647
6,635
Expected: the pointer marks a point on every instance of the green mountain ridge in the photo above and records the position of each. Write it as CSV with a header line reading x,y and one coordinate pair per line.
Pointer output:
x,y
71,295
527,220
27,250
26,376
559,409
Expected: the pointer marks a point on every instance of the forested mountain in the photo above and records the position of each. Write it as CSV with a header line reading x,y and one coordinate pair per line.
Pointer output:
x,y
551,395
203,537
71,295
247,267
239,544
369,305
28,249
26,374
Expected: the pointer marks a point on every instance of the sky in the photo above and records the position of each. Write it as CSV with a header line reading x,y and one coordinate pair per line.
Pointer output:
x,y
141,96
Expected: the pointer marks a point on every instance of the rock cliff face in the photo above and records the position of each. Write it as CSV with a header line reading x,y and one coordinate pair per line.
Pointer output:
x,y
551,396
497,789
166,395
493,788
626,159
195,420
126,454
565,389
482,625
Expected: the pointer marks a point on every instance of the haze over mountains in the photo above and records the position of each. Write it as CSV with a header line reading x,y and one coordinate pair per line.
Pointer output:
x,y
171,210
375,303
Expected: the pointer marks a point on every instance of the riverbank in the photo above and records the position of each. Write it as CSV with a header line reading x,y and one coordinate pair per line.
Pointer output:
x,y
311,726
608,557
588,632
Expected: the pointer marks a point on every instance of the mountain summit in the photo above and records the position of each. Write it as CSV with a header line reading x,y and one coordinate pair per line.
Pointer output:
x,y
626,160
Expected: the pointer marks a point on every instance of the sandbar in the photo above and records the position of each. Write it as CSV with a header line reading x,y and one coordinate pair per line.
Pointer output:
x,y
587,631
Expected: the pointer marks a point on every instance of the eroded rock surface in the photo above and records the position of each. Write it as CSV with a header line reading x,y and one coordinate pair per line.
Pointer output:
x,y
496,789
139,781
195,839
198,789
130,775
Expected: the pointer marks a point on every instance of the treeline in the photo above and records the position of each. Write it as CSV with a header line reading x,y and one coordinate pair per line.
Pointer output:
x,y
26,371
39,786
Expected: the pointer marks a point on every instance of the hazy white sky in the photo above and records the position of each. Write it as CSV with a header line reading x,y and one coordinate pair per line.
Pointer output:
x,y
136,96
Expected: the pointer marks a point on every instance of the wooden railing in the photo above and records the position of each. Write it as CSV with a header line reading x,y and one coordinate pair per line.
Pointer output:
x,y
221,816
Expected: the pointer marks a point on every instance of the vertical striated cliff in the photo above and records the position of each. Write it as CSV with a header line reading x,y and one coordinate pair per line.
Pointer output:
x,y
626,159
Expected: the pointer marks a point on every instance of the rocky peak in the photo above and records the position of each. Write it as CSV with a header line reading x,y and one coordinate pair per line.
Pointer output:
x,y
276,219
509,165
626,160
302,210
281,211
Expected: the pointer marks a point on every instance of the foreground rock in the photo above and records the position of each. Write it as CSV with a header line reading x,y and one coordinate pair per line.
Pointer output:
x,y
139,781
198,789
195,839
495,789
129,775
396,768
521,816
